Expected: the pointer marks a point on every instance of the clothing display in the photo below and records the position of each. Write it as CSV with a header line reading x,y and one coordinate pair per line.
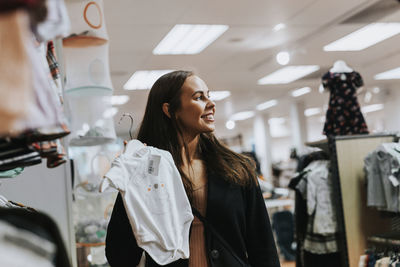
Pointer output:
x,y
155,199
56,24
343,116
315,219
382,167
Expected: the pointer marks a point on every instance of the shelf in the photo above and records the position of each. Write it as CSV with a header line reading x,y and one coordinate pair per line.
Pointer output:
x,y
89,245
80,41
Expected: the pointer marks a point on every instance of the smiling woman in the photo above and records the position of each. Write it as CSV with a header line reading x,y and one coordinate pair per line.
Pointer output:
x,y
221,184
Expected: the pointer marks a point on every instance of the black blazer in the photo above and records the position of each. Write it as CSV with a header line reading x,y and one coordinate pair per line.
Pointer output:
x,y
237,213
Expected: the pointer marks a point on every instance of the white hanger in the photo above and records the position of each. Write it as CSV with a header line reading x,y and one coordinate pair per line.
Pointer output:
x,y
340,66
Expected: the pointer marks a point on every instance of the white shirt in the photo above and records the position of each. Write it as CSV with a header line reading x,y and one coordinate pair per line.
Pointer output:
x,y
155,200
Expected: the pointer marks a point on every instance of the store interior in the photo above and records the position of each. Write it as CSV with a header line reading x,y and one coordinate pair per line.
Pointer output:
x,y
81,71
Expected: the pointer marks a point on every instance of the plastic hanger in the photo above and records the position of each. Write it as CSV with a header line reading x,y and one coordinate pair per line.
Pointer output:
x,y
130,128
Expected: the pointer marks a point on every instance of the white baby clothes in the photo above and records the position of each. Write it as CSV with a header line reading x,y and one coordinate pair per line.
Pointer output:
x,y
155,200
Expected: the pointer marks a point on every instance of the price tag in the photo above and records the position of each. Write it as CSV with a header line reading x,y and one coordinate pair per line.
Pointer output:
x,y
154,164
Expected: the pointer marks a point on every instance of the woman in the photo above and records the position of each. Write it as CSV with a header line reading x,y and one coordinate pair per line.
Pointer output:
x,y
221,184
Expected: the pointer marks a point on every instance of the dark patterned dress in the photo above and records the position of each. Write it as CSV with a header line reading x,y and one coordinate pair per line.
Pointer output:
x,y
343,116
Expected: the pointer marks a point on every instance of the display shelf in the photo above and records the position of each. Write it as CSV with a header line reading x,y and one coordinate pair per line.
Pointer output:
x,y
89,245
83,41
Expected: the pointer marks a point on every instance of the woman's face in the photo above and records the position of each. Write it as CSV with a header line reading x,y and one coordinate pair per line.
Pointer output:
x,y
196,114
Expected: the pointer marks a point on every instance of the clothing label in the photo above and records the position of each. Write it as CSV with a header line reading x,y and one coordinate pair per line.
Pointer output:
x,y
394,181
154,164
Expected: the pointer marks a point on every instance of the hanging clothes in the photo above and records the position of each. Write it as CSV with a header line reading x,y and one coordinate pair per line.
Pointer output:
x,y
382,167
316,245
56,23
343,116
15,69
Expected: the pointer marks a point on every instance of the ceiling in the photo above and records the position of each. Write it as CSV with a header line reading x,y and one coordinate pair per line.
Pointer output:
x,y
246,51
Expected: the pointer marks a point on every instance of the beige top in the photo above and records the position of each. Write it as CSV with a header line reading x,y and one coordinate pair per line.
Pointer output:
x,y
198,255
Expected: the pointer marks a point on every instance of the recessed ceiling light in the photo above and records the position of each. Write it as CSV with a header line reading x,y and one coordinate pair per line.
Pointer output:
x,y
372,108
364,37
367,97
230,125
388,75
267,104
301,91
242,115
117,100
288,74
279,27
219,95
312,111
189,39
283,58
144,79
376,90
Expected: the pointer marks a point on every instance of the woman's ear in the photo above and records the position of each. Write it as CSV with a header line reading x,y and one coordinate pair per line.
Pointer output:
x,y
165,108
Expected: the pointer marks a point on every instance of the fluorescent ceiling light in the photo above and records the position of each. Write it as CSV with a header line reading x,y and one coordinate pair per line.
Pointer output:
x,y
117,100
242,115
267,104
376,90
277,121
364,37
301,91
388,75
144,79
219,95
312,111
372,108
279,27
189,39
288,74
230,125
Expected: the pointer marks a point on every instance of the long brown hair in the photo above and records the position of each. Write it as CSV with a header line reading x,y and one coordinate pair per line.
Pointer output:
x,y
163,132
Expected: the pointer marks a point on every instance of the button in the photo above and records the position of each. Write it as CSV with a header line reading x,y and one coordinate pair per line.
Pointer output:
x,y
214,254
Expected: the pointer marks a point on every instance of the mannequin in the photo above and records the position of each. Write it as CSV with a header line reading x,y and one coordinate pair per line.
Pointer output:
x,y
340,66
344,116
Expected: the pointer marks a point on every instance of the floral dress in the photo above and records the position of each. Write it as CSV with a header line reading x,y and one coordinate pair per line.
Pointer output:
x,y
343,116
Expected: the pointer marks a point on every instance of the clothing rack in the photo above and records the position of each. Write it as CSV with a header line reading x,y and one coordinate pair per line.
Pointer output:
x,y
356,222
390,239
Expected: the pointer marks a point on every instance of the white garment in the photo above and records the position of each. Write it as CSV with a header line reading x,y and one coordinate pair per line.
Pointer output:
x,y
155,200
57,23
44,108
319,198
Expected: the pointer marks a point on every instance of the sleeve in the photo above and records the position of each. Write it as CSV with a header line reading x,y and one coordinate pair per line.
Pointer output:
x,y
260,241
357,80
326,81
117,176
121,246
